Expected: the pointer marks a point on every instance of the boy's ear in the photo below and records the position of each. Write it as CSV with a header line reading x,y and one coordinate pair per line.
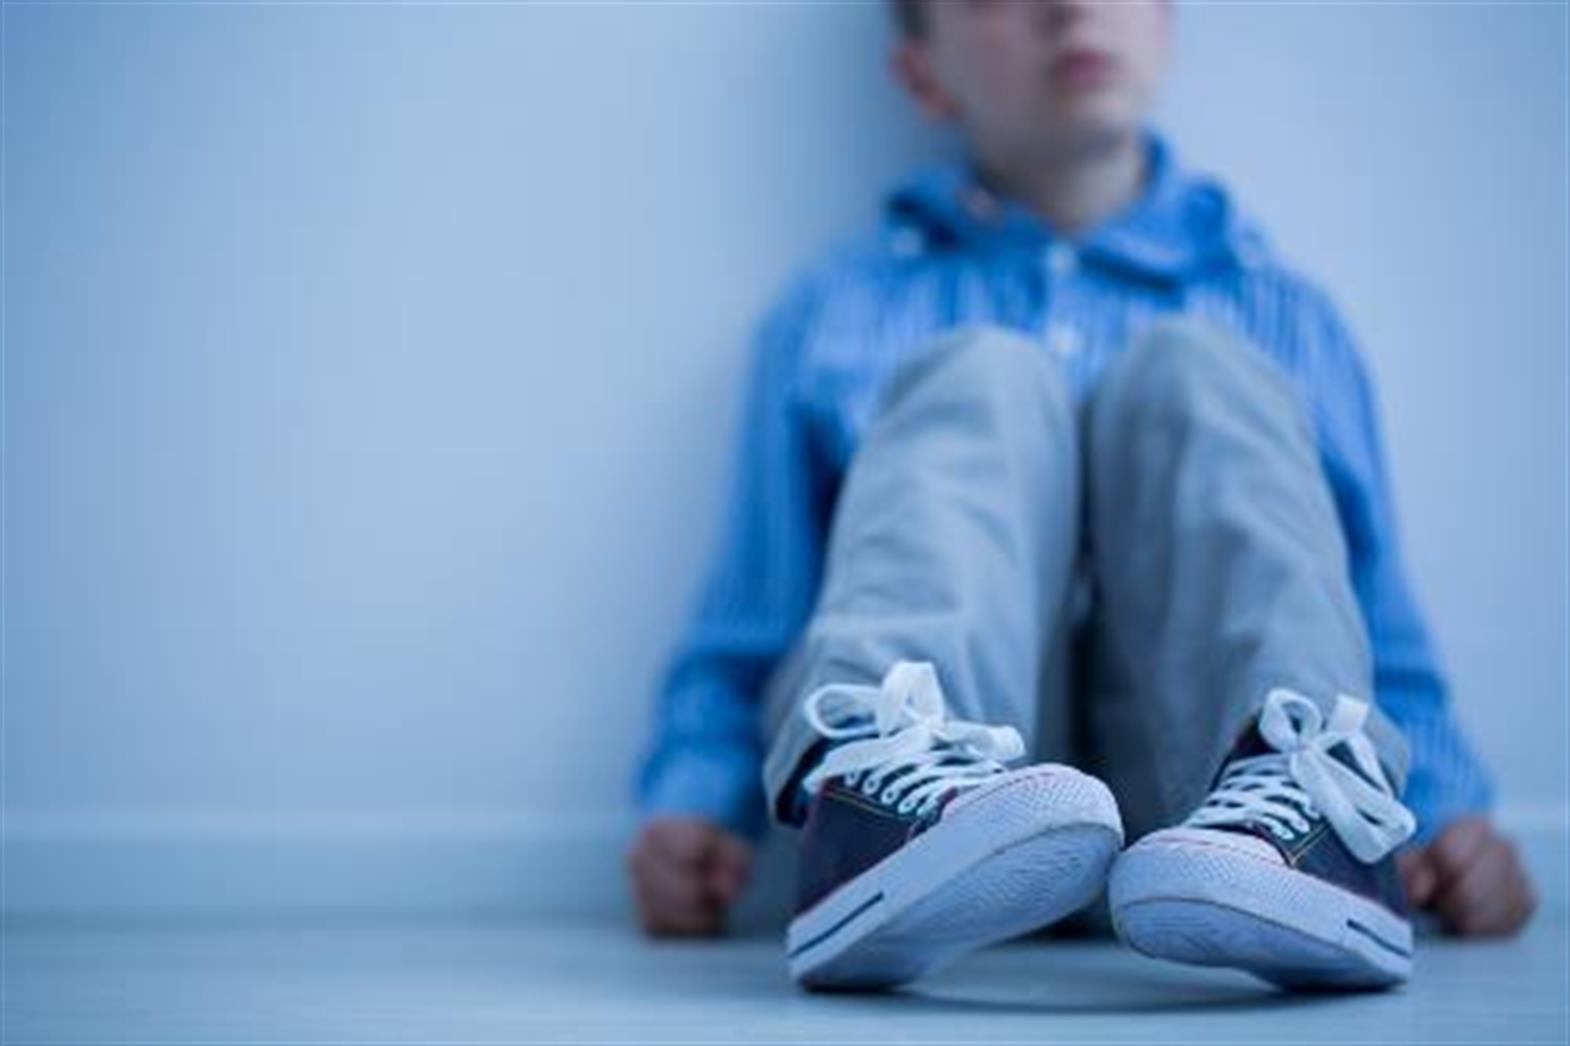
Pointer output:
x,y
912,67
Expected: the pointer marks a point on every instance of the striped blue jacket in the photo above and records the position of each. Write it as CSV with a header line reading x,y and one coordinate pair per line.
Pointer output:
x,y
948,253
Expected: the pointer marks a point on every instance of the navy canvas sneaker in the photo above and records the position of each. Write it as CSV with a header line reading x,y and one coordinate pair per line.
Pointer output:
x,y
920,844
1286,870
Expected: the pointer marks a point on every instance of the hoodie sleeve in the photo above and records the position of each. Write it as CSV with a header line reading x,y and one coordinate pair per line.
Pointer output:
x,y
1446,778
707,746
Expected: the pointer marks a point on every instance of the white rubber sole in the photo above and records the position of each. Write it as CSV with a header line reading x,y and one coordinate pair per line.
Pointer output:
x,y
1024,854
1213,906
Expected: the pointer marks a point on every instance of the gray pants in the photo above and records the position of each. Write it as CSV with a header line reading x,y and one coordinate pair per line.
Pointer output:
x,y
1123,580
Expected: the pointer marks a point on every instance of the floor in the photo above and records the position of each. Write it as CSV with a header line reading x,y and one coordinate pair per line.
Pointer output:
x,y
595,981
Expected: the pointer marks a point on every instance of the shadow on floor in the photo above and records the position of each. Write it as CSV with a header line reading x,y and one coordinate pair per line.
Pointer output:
x,y
1123,992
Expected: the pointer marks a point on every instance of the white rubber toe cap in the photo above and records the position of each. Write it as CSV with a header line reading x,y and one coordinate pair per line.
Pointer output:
x,y
1240,844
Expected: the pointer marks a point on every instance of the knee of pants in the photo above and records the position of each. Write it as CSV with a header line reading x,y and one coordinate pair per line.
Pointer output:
x,y
991,366
1183,370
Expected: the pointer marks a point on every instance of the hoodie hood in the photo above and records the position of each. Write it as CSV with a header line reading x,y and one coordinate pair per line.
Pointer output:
x,y
1182,225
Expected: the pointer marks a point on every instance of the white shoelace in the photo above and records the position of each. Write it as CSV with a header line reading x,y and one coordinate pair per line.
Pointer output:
x,y
1281,789
902,728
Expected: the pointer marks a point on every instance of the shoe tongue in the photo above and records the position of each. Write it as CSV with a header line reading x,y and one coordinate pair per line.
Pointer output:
x,y
1249,743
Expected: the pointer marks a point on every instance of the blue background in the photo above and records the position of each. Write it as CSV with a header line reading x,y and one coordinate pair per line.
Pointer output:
x,y
370,373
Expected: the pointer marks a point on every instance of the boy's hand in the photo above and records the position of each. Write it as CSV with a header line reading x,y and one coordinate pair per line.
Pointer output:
x,y
686,872
1472,877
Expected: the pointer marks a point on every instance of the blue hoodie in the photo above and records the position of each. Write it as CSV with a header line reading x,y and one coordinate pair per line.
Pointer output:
x,y
947,254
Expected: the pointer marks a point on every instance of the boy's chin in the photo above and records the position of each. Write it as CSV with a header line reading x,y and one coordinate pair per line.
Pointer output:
x,y
1091,127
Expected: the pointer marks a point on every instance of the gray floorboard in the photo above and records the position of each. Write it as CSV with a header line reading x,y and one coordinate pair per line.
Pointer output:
x,y
596,981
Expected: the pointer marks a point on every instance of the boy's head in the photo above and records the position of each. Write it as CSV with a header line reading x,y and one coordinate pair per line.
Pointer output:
x,y
1030,80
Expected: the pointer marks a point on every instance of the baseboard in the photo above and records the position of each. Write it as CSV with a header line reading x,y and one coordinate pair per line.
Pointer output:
x,y
448,866
440,865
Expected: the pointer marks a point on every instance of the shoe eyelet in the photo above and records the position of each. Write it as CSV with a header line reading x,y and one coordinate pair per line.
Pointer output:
x,y
852,779
889,794
906,806
870,786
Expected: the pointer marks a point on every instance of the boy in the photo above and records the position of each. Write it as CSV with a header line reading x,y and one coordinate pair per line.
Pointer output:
x,y
1066,462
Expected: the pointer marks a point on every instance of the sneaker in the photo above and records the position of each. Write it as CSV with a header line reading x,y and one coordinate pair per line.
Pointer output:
x,y
1286,870
921,845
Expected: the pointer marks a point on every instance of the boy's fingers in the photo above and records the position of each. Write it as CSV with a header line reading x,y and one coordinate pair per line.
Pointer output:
x,y
669,883
1458,845
1525,901
1477,918
661,918
732,852
1480,877
683,841
665,882
731,848
686,871
729,867
1417,875
1478,901
665,910
1505,900
724,884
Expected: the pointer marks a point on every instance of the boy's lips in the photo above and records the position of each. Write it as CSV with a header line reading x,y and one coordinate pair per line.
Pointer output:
x,y
1083,67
